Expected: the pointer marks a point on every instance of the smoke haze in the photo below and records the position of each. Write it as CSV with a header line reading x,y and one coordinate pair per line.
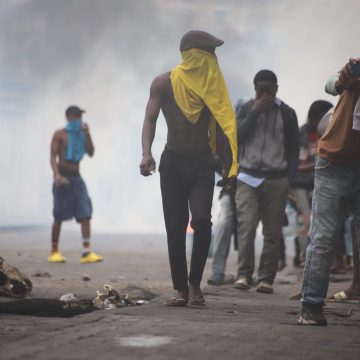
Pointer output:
x,y
103,56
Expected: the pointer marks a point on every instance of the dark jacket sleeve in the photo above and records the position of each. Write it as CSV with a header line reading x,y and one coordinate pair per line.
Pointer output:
x,y
218,165
245,120
292,144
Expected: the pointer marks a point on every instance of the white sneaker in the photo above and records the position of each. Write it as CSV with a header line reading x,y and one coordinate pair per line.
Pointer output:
x,y
242,283
265,287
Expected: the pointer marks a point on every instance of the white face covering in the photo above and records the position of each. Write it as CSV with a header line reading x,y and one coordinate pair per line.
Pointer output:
x,y
356,116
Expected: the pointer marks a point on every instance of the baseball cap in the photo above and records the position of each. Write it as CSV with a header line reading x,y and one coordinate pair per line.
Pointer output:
x,y
195,38
74,110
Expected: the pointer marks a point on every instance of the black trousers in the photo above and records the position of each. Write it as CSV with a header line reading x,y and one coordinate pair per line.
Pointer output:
x,y
187,182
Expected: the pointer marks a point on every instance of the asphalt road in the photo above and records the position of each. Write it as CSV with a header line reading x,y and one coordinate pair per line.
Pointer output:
x,y
233,325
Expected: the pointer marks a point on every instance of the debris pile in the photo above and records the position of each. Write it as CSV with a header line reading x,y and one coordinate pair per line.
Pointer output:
x,y
13,283
111,299
41,274
70,305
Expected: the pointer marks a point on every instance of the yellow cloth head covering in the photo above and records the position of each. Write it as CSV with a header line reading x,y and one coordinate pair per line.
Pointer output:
x,y
198,82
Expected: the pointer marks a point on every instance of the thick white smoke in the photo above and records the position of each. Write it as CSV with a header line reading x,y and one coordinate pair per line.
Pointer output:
x,y
103,55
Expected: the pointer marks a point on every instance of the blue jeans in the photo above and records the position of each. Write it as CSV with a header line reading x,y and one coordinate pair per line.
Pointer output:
x,y
224,230
71,200
336,188
347,236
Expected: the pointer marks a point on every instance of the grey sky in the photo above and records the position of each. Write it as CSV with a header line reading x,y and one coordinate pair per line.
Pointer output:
x,y
102,55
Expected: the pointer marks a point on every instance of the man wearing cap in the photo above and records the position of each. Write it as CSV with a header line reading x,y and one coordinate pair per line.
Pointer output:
x,y
71,199
200,119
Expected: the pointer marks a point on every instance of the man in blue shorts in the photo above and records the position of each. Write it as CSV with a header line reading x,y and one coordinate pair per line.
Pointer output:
x,y
71,199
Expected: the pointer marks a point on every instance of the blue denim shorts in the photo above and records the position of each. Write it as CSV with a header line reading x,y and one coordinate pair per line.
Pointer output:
x,y
72,200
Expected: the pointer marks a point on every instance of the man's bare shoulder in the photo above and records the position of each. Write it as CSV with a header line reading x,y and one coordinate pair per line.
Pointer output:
x,y
58,134
165,77
161,82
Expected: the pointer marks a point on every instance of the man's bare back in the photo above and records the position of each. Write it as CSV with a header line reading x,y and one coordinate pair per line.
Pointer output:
x,y
182,137
60,166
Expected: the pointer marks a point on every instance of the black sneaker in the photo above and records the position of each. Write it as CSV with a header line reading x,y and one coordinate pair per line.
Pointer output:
x,y
312,314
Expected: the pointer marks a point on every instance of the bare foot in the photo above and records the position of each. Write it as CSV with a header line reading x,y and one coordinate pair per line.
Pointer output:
x,y
196,296
180,299
353,292
183,295
295,296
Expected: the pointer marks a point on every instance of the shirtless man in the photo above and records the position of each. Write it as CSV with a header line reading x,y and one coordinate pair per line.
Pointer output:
x,y
187,165
71,198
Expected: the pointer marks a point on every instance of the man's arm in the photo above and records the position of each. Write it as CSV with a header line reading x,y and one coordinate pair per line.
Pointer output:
x,y
342,80
245,121
54,152
147,165
89,146
247,115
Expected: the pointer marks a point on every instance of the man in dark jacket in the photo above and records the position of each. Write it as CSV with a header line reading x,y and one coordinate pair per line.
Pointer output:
x,y
268,154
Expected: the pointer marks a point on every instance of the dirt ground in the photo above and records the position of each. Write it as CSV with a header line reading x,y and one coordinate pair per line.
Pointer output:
x,y
234,324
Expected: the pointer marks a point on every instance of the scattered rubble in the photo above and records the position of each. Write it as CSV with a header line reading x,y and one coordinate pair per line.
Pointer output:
x,y
141,302
232,312
68,297
86,277
110,299
41,274
135,293
13,283
130,296
70,305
